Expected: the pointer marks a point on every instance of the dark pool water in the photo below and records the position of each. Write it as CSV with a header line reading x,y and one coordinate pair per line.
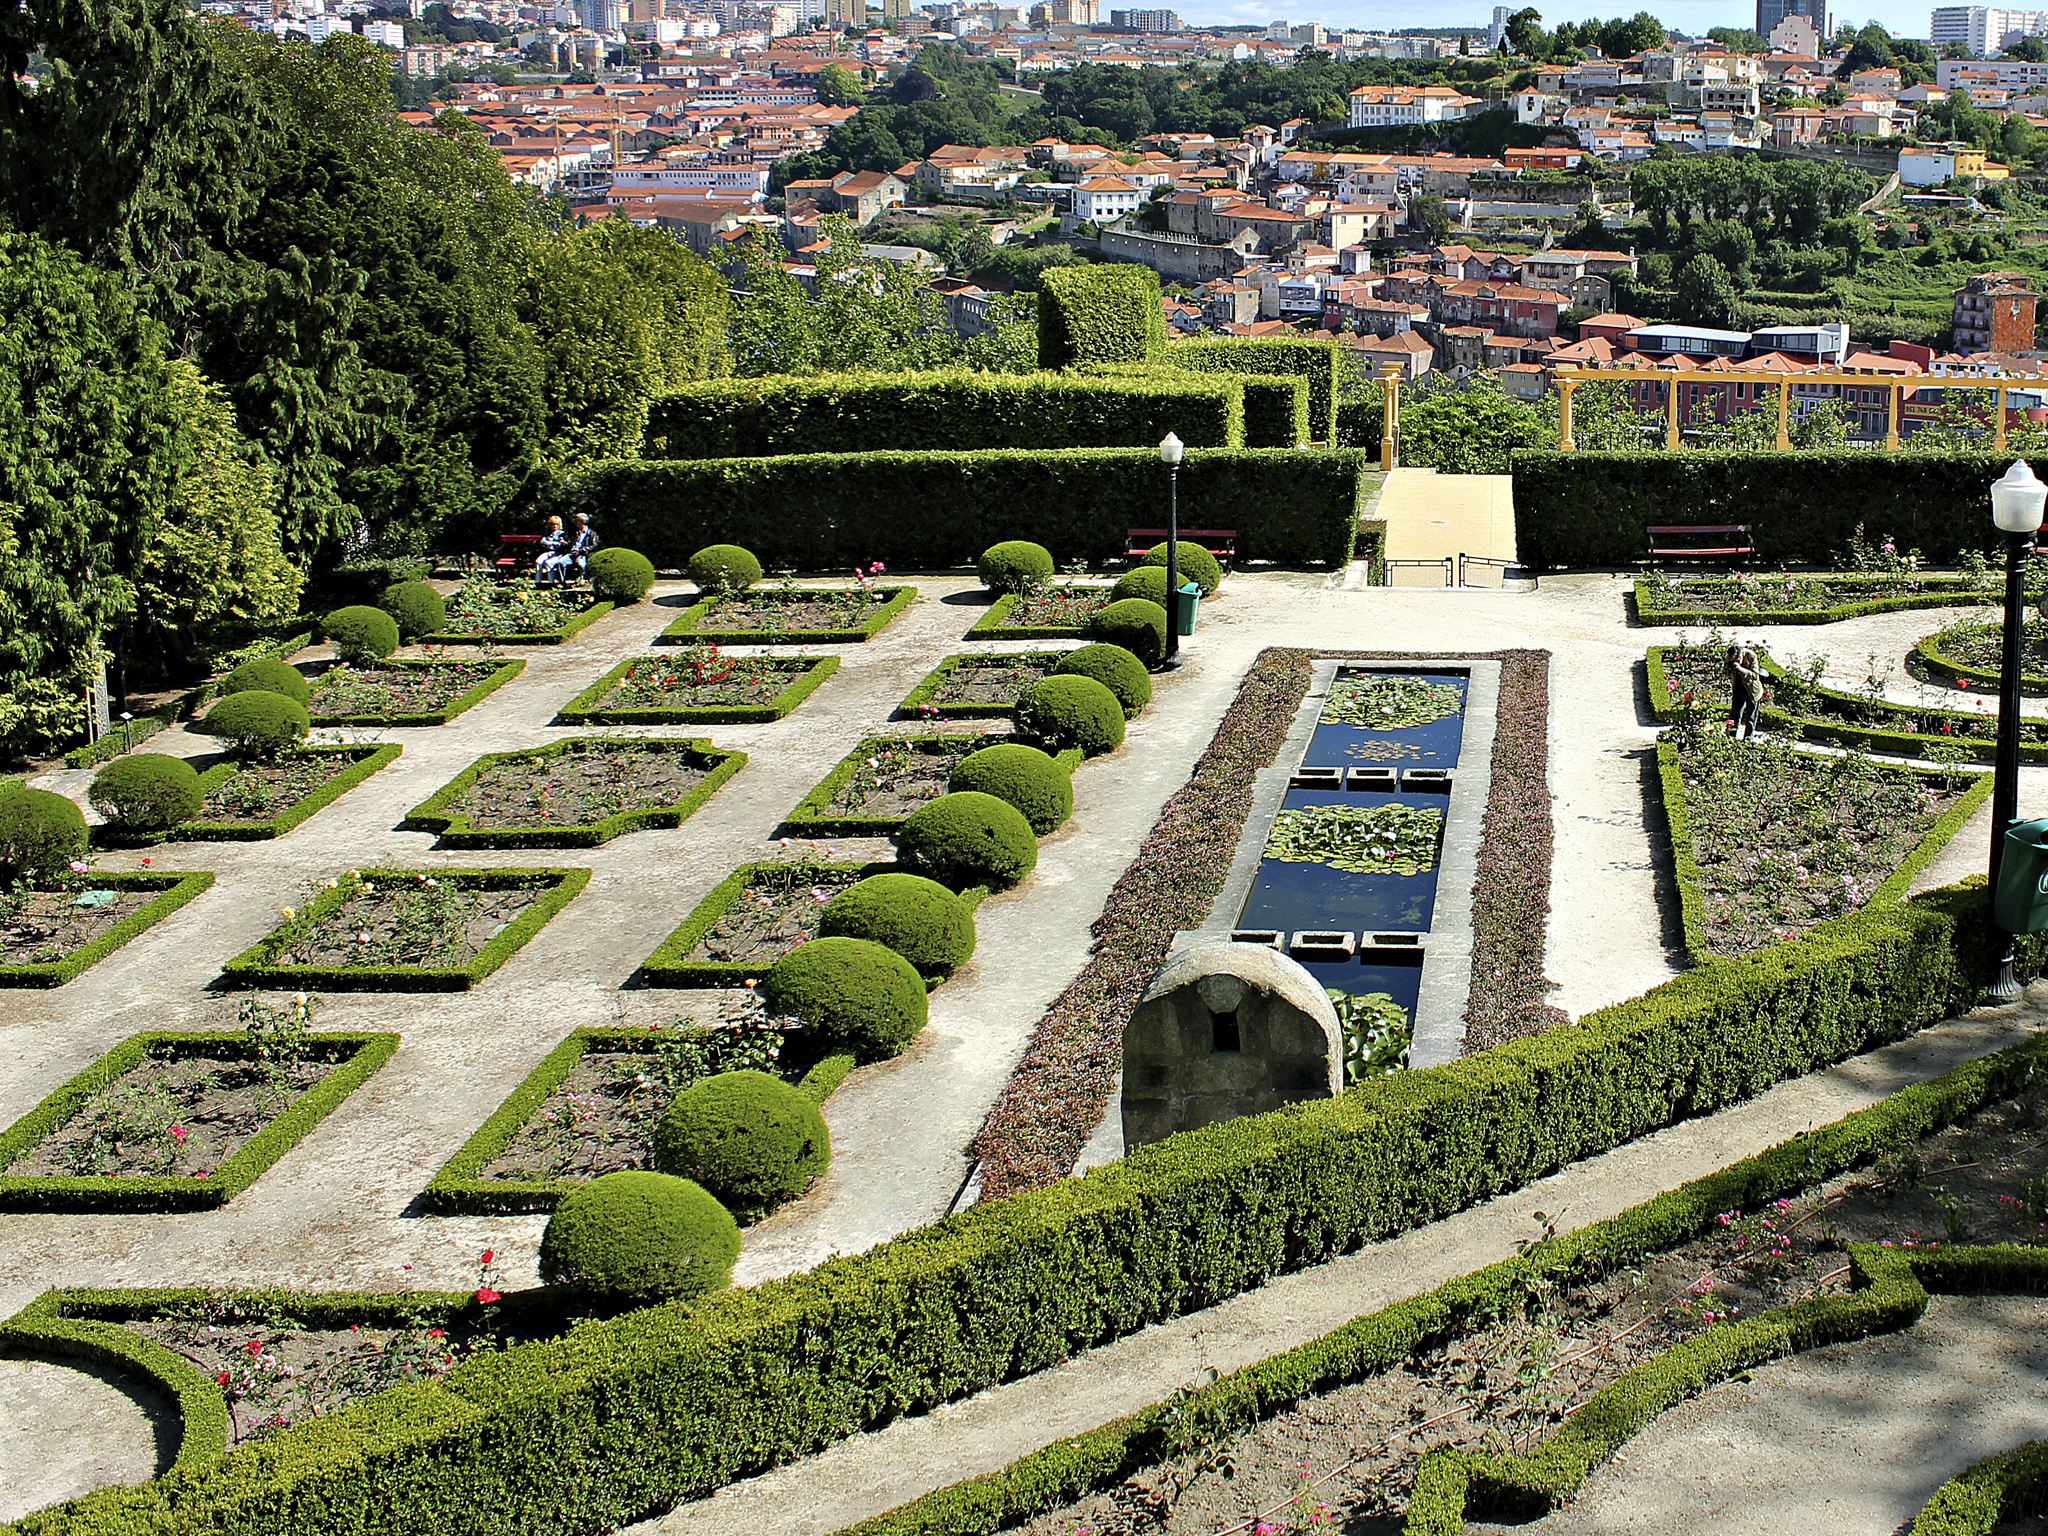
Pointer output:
x,y
1301,896
1403,983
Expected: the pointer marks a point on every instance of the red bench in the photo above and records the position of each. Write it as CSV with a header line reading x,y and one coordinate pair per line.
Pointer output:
x,y
1220,542
518,553
1731,541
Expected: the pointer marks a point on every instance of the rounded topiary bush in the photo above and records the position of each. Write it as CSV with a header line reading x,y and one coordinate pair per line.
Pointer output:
x,y
750,1139
267,674
361,633
620,575
918,918
1196,565
1135,624
40,834
1020,776
856,994
260,723
146,792
968,838
1146,581
636,1236
1066,710
1014,565
416,607
1116,669
724,568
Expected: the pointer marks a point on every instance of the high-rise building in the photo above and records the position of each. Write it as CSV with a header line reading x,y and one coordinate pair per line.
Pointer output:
x,y
1983,29
385,34
1145,21
1770,12
1309,34
1498,27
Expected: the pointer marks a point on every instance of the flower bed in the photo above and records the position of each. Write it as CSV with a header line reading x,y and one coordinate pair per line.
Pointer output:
x,y
751,919
180,1121
1042,613
968,686
575,793
1972,653
1785,598
789,615
401,692
48,936
253,799
698,687
875,787
1771,842
516,613
590,1108
403,930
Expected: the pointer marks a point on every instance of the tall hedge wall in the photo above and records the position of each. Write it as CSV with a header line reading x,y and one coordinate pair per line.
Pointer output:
x,y
1276,411
1099,314
1592,508
955,411
827,511
1322,363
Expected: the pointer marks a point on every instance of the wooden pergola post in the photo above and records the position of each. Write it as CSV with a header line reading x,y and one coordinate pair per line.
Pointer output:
x,y
1390,423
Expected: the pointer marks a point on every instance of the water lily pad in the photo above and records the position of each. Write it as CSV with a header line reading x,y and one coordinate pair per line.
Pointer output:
x,y
1392,839
1390,703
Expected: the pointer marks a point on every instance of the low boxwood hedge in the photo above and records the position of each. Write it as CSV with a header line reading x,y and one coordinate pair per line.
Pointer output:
x,y
806,675
671,966
259,965
995,625
698,624
2009,1486
920,699
434,814
816,816
177,887
355,1054
1929,654
1939,592
455,706
566,633
365,760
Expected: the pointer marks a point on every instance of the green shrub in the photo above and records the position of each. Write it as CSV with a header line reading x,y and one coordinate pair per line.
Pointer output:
x,y
260,724
1100,314
640,1237
1276,411
1135,624
918,918
147,791
1116,669
620,575
1037,785
856,995
752,1140
416,608
1196,565
40,833
266,674
967,838
1014,565
1068,710
1322,364
723,568
361,634
1144,581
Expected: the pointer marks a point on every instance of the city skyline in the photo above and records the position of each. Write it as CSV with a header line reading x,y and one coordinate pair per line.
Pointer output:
x,y
1691,16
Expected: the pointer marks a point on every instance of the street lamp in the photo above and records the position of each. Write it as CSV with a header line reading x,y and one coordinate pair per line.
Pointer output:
x,y
2016,500
1171,448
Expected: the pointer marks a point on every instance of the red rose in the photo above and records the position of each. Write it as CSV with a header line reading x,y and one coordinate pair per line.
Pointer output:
x,y
486,1295
490,1254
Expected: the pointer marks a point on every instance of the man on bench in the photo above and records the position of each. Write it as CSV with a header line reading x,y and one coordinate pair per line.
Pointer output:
x,y
554,567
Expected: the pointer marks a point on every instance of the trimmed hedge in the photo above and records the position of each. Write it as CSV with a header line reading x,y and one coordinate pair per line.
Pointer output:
x,y
130,734
1116,669
1195,564
723,568
459,1188
266,674
920,919
257,722
1591,509
177,887
146,791
994,624
1943,592
259,965
966,838
816,815
698,624
415,607
639,1237
1276,411
951,410
361,633
671,966
854,994
822,512
1039,786
2009,1486
433,814
455,706
1322,364
41,834
919,699
356,1056
1147,582
366,761
622,575
569,631
1108,313
748,1137
1946,667
1014,565
1069,710
1135,624
806,675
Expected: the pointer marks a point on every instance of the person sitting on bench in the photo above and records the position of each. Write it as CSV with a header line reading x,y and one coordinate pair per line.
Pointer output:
x,y
554,555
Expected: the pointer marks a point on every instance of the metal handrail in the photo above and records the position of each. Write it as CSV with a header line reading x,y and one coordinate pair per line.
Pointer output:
x,y
1445,564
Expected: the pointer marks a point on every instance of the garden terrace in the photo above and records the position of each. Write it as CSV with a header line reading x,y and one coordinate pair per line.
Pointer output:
x,y
789,615
401,692
1044,613
698,686
481,611
576,793
50,933
971,686
750,920
1795,598
875,787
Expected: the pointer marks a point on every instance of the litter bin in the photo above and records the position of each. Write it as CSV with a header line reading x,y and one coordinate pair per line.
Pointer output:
x,y
2020,904
1186,601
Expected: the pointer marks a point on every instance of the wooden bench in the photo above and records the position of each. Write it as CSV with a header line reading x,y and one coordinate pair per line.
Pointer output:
x,y
518,553
1220,542
1735,541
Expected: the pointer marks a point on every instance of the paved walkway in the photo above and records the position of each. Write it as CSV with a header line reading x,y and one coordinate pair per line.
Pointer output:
x,y
1434,517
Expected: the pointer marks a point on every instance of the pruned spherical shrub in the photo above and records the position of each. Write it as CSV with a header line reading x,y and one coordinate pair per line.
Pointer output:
x,y
267,674
1116,669
1021,776
258,723
640,1237
40,834
1196,565
1135,624
146,792
1146,581
918,918
1066,710
750,1139
968,838
361,633
724,568
856,994
1014,565
620,575
416,607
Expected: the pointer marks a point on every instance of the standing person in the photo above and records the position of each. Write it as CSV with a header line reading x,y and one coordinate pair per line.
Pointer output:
x,y
554,544
1746,684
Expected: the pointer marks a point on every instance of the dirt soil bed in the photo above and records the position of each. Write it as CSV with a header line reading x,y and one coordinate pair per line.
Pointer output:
x,y
990,680
261,788
793,608
1977,643
410,920
702,676
345,690
42,927
770,918
1058,607
896,780
1345,1460
1783,592
577,787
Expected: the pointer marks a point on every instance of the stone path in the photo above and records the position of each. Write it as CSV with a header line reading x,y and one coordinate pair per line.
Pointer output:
x,y
1431,517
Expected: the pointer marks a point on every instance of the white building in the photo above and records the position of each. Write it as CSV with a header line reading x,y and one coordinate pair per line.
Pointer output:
x,y
385,34
1397,106
1983,29
1100,199
2010,74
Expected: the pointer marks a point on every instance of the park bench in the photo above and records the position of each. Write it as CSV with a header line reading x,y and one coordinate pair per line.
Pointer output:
x,y
1735,541
1220,542
518,553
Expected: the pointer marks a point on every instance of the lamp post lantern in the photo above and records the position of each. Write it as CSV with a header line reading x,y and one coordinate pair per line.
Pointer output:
x,y
2016,503
1171,448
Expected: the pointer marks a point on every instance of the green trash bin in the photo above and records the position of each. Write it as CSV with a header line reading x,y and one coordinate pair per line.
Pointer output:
x,y
1186,602
2020,904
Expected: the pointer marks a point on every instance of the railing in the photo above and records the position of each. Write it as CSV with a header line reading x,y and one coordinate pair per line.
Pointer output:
x,y
1505,568
1444,565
